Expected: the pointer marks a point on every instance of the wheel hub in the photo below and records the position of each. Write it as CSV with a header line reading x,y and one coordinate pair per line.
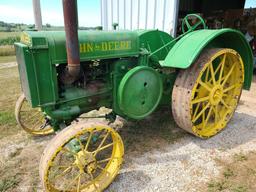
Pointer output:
x,y
86,162
216,95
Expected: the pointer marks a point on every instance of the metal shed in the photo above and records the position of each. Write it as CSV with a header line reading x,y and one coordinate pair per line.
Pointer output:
x,y
157,14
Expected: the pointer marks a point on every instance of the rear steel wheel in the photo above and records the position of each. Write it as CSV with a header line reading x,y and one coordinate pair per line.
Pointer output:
x,y
82,157
30,119
206,95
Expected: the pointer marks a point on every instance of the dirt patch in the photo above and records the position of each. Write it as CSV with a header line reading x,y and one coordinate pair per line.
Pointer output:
x,y
238,174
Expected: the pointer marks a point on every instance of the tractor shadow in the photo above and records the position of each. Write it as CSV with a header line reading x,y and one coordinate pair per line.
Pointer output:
x,y
159,134
240,130
152,133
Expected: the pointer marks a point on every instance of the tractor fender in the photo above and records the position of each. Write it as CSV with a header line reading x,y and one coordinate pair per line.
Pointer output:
x,y
189,47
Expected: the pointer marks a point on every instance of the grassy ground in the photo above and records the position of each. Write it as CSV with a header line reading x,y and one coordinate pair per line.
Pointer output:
x,y
15,165
10,90
238,174
6,45
7,50
7,59
4,35
9,84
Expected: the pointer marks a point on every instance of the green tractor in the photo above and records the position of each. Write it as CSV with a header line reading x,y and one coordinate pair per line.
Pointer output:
x,y
64,74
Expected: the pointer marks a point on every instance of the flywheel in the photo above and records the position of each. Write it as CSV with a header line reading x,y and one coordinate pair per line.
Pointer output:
x,y
206,95
140,92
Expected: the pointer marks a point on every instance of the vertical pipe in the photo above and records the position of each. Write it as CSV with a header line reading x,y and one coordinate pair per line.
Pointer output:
x,y
176,17
155,8
138,16
124,15
37,14
106,14
72,44
117,4
112,12
164,10
146,16
131,15
101,12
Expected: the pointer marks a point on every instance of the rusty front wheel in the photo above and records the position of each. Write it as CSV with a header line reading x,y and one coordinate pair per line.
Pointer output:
x,y
32,120
206,95
83,157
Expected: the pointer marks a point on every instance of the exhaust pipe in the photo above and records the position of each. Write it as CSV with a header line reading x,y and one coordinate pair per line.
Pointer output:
x,y
72,71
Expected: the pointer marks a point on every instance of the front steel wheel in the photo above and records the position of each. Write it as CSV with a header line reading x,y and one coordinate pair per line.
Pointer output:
x,y
82,157
32,120
206,95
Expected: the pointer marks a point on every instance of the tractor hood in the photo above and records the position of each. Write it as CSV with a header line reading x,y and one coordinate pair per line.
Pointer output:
x,y
93,44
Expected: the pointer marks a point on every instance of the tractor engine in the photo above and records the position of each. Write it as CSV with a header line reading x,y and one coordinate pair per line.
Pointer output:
x,y
105,58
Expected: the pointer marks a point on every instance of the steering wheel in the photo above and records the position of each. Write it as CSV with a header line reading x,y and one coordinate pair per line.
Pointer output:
x,y
193,27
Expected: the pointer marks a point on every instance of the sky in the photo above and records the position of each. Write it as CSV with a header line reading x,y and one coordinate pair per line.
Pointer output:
x,y
21,11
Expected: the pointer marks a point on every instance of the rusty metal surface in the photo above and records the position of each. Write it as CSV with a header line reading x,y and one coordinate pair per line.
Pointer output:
x,y
181,96
72,44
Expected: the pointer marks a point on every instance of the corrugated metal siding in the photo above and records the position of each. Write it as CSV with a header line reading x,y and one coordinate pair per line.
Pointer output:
x,y
140,14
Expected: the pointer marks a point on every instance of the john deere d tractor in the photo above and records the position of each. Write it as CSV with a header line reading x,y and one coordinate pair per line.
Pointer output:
x,y
64,74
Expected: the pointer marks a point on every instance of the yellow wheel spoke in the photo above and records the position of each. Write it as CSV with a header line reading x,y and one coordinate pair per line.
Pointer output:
x,y
91,176
229,73
208,116
102,148
95,186
63,173
225,104
81,145
34,115
61,166
101,168
204,85
78,183
104,160
231,87
217,69
103,140
203,116
68,151
73,181
30,120
36,125
215,109
196,110
88,141
201,112
199,100
207,75
222,67
212,74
